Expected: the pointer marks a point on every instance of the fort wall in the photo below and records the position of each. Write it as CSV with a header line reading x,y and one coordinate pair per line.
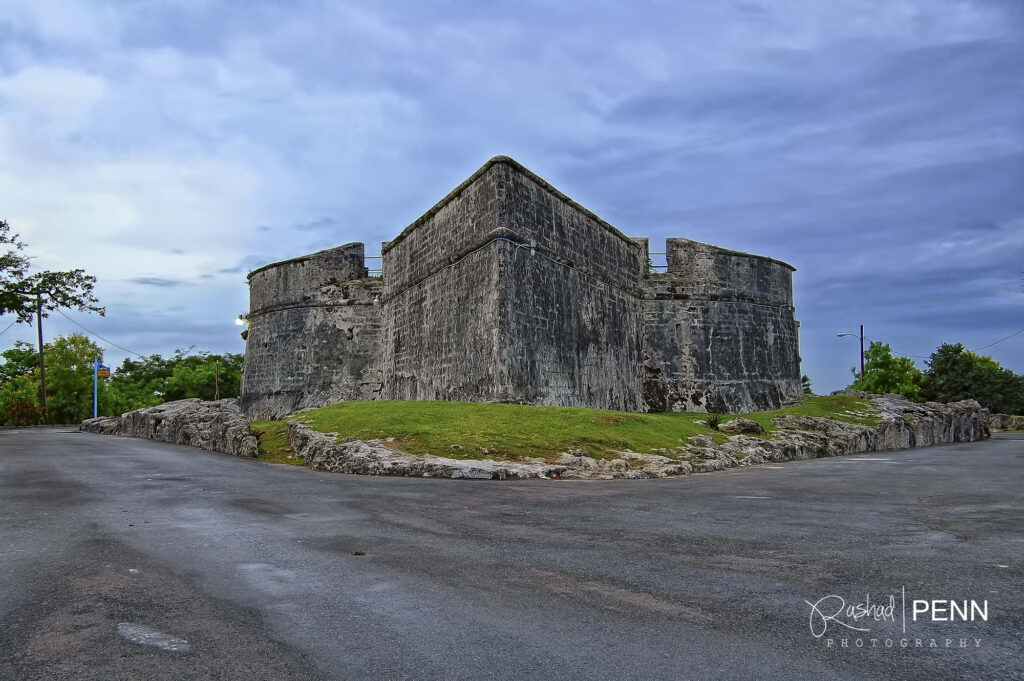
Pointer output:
x,y
506,290
475,312
314,333
719,332
571,312
440,326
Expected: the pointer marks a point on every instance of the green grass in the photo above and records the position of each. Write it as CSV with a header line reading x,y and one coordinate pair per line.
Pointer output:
x,y
509,431
838,407
274,445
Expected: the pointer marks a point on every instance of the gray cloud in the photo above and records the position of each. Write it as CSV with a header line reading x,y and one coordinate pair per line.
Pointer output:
x,y
250,262
159,282
879,147
318,224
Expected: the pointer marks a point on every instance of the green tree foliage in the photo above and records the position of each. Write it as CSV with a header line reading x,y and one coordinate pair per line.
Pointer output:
x,y
119,397
137,383
20,360
955,373
69,362
884,373
72,289
805,382
154,379
69,365
19,386
19,401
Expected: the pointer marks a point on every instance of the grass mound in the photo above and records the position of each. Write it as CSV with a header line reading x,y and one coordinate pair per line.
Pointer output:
x,y
468,430
273,441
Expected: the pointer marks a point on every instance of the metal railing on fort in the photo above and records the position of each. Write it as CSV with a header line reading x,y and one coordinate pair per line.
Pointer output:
x,y
377,271
374,271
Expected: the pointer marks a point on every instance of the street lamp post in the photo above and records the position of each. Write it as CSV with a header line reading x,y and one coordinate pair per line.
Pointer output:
x,y
861,337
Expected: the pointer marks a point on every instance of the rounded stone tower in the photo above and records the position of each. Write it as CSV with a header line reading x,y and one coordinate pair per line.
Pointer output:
x,y
719,331
314,333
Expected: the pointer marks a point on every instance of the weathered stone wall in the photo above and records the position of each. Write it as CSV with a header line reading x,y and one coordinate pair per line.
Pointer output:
x,y
508,291
314,333
719,332
571,313
440,326
474,314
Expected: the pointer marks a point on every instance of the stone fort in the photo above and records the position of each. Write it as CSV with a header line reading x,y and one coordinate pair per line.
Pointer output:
x,y
509,291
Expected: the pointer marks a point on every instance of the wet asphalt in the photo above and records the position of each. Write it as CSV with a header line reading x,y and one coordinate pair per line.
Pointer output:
x,y
129,559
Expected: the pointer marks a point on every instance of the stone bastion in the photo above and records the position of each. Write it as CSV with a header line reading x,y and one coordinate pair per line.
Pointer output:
x,y
509,291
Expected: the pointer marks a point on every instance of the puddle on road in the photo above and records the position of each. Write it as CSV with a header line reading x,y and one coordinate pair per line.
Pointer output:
x,y
148,636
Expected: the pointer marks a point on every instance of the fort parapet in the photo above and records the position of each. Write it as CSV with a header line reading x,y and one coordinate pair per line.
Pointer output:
x,y
719,332
508,291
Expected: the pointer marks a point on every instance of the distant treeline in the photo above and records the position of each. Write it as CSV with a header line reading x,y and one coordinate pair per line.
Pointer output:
x,y
135,384
953,373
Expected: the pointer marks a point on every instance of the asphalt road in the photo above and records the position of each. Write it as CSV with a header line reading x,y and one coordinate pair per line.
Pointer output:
x,y
128,559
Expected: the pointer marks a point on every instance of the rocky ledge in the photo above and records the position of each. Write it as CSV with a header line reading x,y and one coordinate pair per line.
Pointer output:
x,y
1006,422
222,427
901,425
216,426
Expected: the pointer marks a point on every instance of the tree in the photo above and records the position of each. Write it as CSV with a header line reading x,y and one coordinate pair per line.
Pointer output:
x,y
805,383
69,378
19,386
19,401
149,381
955,373
120,397
22,292
141,382
137,383
34,295
69,390
18,361
884,373
205,376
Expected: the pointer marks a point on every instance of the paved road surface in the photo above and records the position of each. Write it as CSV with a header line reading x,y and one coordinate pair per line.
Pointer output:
x,y
224,568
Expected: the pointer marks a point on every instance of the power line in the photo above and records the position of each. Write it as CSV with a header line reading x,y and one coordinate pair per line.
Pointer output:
x,y
999,341
106,340
983,347
901,354
8,327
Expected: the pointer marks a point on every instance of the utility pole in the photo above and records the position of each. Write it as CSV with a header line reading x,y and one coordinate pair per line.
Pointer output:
x,y
216,380
862,352
42,361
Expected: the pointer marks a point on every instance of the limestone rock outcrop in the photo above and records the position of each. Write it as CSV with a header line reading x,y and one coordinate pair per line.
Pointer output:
x,y
902,425
742,426
322,452
215,426
222,427
1006,422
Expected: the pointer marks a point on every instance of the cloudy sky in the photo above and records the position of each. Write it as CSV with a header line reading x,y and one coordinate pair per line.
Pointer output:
x,y
170,147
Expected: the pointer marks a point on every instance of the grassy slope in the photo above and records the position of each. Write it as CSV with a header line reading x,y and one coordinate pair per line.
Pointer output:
x,y
509,431
274,445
